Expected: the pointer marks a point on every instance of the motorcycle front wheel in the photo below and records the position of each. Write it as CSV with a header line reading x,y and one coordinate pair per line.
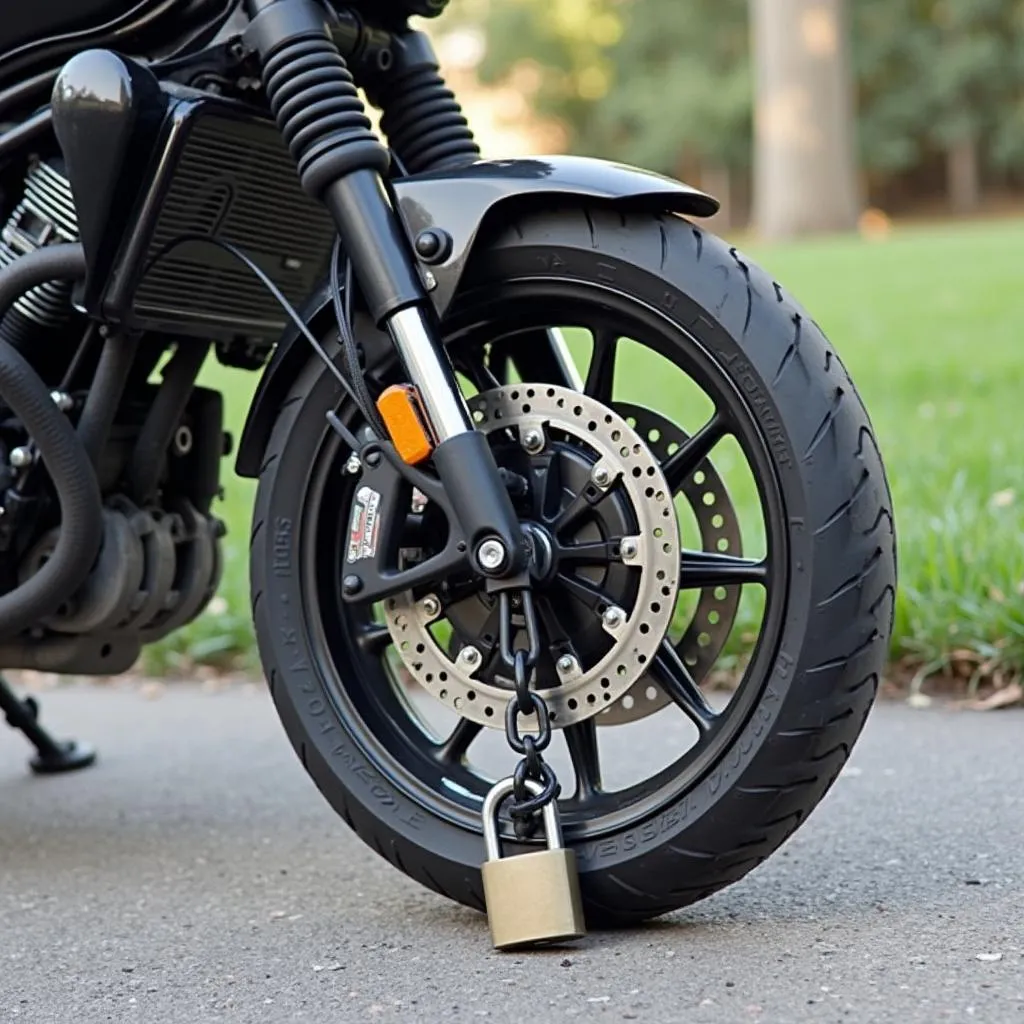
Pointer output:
x,y
777,572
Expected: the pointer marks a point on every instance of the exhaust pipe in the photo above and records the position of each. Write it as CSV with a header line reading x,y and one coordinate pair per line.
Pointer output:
x,y
59,445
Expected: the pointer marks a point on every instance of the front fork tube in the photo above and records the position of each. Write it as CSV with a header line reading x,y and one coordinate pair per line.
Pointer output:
x,y
340,161
375,242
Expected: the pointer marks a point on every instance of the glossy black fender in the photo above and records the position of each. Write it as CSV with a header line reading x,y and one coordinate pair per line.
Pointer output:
x,y
457,204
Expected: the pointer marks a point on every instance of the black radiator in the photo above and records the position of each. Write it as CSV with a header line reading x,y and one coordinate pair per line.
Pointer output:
x,y
224,173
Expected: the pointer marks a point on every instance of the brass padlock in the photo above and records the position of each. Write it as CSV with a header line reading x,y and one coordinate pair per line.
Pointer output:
x,y
534,897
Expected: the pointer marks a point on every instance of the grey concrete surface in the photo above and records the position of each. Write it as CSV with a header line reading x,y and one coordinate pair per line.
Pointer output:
x,y
196,875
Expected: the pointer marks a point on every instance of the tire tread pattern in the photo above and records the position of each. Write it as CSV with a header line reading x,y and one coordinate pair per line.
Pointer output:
x,y
849,519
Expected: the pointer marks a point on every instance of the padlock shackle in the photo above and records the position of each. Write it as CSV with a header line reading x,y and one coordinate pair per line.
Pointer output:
x,y
500,792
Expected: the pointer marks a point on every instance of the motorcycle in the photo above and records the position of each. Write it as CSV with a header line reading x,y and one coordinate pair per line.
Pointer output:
x,y
464,526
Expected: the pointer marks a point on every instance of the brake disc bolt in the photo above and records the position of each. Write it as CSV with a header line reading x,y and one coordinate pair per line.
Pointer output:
x,y
353,465
628,548
601,476
431,606
567,664
532,440
491,555
469,657
613,617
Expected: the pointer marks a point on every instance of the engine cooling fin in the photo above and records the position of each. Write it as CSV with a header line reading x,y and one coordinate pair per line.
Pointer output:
x,y
44,216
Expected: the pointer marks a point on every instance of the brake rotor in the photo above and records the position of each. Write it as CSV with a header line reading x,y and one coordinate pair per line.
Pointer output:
x,y
709,627
603,462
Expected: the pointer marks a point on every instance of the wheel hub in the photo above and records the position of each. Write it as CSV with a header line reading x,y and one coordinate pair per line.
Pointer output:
x,y
600,521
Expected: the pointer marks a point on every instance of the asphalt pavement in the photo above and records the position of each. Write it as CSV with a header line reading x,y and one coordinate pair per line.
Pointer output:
x,y
196,875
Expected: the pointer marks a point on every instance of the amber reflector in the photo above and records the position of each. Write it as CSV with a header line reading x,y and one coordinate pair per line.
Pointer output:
x,y
399,407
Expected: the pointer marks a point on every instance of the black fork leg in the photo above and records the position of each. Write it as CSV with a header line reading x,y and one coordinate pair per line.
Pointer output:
x,y
52,755
343,164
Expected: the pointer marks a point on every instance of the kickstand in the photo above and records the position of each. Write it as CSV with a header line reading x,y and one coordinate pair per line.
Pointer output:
x,y
52,757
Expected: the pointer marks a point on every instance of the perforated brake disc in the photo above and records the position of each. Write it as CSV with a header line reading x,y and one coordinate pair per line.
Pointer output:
x,y
718,525
615,460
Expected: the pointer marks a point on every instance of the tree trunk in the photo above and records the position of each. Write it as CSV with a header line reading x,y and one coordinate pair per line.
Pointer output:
x,y
963,176
805,177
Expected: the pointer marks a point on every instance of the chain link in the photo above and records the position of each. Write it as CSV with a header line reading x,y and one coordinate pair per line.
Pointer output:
x,y
525,808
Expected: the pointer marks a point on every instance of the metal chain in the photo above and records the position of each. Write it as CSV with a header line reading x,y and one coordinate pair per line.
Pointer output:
x,y
525,807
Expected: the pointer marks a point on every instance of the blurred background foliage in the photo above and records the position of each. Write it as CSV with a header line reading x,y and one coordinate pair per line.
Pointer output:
x,y
939,87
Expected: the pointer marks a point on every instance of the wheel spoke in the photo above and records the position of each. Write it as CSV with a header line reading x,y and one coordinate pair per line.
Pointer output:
x,y
552,623
454,749
583,590
480,374
543,356
701,569
598,552
688,456
601,372
576,508
549,494
674,677
498,364
374,639
581,740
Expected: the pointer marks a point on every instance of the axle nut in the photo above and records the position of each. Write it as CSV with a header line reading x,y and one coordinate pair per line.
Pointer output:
x,y
491,555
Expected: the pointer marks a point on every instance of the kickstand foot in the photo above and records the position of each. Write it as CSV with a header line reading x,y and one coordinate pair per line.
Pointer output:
x,y
52,756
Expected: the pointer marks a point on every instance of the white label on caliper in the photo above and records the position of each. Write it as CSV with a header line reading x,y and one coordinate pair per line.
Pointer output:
x,y
364,528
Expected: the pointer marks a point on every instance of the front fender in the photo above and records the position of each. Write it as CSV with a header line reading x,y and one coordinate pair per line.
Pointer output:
x,y
458,202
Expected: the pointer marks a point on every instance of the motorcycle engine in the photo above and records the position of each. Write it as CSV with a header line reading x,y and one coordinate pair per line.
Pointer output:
x,y
161,558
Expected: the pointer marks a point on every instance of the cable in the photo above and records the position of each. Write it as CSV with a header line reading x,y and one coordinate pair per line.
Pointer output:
x,y
350,350
210,31
397,161
82,353
278,295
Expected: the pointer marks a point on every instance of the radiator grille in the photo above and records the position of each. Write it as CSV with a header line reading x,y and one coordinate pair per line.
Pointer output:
x,y
237,181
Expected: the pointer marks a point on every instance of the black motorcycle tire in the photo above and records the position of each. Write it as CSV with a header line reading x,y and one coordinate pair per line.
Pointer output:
x,y
839,607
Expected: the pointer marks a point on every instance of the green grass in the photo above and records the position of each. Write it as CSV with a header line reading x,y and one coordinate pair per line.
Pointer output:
x,y
930,324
